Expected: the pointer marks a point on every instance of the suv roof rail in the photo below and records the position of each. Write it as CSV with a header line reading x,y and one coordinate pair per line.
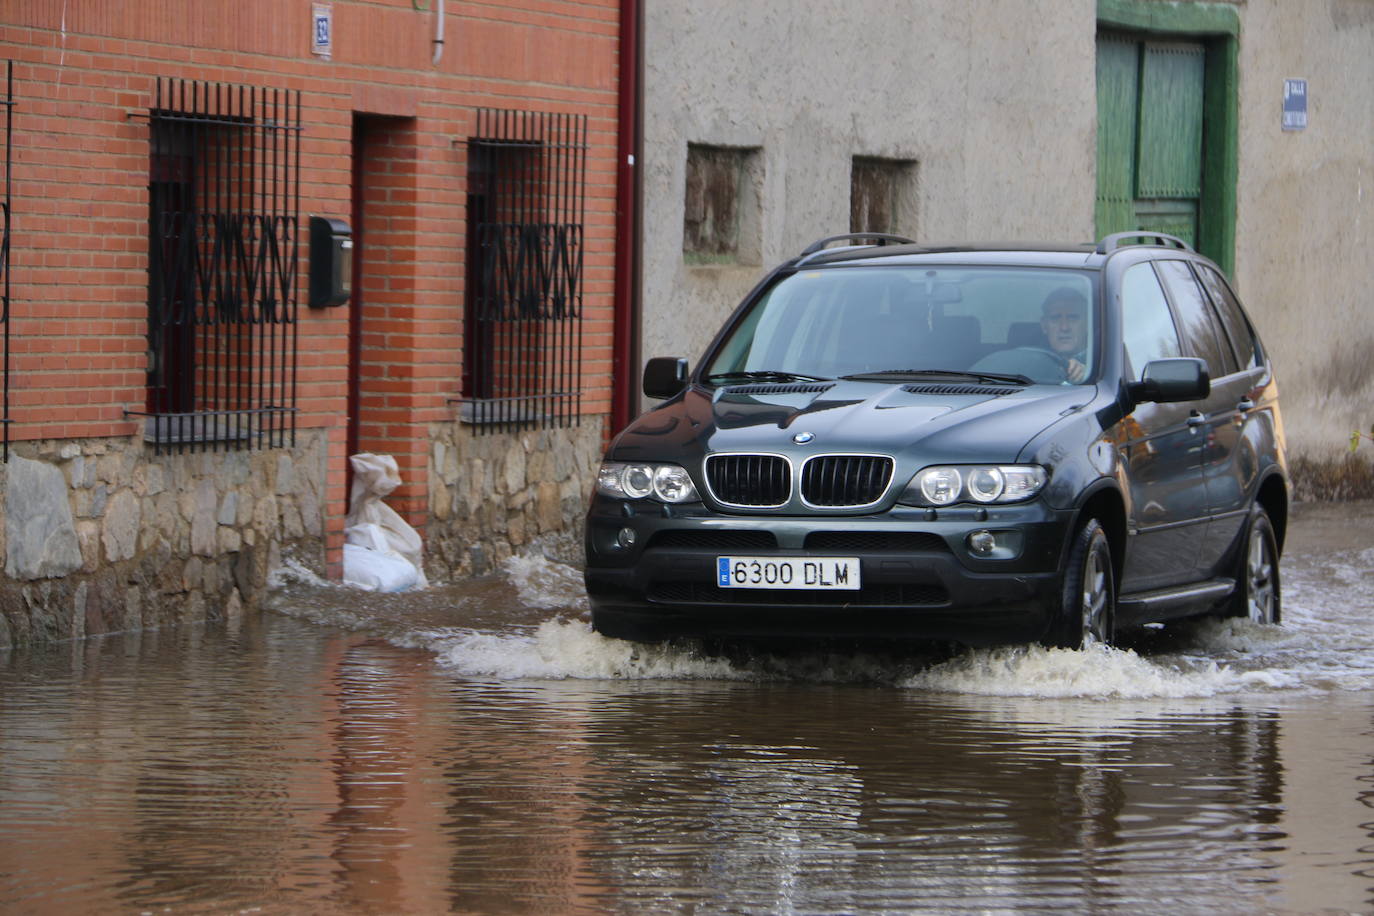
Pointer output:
x,y
882,238
1118,240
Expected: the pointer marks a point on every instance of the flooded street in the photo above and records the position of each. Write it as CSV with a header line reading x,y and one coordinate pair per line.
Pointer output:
x,y
477,749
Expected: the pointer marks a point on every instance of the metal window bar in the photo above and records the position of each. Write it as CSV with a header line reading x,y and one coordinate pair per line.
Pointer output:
x,y
523,311
8,102
224,204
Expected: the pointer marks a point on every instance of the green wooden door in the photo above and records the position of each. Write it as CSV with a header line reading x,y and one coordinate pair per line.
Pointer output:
x,y
1149,135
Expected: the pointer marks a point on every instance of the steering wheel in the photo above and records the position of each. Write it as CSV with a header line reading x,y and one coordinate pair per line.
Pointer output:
x,y
1039,363
1044,352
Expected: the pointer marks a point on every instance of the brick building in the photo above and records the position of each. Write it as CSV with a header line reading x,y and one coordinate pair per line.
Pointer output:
x,y
187,368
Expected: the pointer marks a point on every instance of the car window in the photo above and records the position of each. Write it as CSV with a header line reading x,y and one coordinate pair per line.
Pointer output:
x,y
1201,336
1037,322
1237,329
1147,325
793,324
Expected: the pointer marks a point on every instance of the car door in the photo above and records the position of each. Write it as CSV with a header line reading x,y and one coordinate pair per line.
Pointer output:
x,y
1232,463
1219,417
1160,450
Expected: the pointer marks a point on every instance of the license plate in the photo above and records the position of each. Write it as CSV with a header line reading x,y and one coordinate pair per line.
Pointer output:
x,y
788,572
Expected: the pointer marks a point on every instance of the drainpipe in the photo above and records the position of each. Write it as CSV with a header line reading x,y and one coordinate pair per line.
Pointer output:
x,y
628,209
438,31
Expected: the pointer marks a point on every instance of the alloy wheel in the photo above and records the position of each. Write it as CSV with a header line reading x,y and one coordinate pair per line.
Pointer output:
x,y
1259,576
1087,600
1096,604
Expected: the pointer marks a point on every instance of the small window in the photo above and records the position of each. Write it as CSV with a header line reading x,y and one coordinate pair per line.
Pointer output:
x,y
1149,331
882,195
721,212
1199,325
1237,329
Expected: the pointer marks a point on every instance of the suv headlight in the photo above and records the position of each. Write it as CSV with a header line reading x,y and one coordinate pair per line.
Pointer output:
x,y
945,485
669,483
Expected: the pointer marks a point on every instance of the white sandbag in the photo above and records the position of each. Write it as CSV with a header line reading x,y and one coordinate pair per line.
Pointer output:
x,y
369,535
375,571
375,476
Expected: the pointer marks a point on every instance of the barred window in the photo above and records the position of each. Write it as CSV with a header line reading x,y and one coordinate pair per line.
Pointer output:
x,y
522,340
222,252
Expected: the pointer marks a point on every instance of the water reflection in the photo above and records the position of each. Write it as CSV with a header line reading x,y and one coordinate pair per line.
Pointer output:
x,y
865,797
297,769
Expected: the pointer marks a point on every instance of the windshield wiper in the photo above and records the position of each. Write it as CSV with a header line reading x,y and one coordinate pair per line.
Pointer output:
x,y
992,378
764,375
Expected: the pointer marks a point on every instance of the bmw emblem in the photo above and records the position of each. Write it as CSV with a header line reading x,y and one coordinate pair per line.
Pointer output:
x,y
802,438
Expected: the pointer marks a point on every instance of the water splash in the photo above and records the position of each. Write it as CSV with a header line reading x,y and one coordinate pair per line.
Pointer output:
x,y
1094,672
561,648
545,583
505,631
569,649
292,572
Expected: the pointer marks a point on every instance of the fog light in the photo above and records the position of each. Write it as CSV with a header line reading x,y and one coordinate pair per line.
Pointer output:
x,y
1004,544
982,543
626,537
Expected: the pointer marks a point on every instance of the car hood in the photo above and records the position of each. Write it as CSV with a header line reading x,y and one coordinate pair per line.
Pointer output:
x,y
925,422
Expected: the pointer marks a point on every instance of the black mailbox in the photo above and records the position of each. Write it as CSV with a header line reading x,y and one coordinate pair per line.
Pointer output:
x,y
331,262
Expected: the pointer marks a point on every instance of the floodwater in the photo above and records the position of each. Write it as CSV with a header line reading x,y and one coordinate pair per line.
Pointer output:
x,y
477,750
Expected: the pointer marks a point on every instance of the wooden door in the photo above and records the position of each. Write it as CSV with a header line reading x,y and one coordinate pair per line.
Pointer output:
x,y
1150,151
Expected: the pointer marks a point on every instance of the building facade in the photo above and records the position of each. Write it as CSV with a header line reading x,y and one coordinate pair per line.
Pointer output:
x,y
245,240
770,125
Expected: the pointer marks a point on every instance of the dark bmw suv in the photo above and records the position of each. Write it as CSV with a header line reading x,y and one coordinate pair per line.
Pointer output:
x,y
984,444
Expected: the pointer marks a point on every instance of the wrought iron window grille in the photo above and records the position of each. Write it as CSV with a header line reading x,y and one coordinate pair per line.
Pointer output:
x,y
526,209
223,242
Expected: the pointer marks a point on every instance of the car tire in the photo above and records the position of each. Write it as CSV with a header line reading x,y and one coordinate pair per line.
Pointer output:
x,y
1257,596
1087,606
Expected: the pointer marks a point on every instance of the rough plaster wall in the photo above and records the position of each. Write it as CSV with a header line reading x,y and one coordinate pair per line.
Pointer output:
x,y
1305,221
1000,117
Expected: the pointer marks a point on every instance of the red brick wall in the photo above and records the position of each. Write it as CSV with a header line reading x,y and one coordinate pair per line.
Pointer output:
x,y
408,358
84,77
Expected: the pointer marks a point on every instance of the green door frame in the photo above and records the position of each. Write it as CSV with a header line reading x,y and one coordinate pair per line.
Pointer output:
x,y
1217,25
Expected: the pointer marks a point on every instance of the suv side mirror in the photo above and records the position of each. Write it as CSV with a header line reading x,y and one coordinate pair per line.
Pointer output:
x,y
665,376
1169,380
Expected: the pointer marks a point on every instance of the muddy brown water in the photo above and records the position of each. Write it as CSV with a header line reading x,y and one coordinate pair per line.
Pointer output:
x,y
475,749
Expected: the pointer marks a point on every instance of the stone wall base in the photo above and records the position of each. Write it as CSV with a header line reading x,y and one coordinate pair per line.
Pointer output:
x,y
103,535
496,494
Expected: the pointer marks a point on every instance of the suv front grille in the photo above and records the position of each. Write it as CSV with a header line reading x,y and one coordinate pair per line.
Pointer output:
x,y
845,480
756,481
827,481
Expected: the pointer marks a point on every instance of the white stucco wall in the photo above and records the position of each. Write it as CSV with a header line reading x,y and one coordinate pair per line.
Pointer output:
x,y
996,100
999,116
1305,212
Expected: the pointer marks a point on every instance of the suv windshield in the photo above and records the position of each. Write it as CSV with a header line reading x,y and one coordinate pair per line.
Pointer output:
x,y
1036,323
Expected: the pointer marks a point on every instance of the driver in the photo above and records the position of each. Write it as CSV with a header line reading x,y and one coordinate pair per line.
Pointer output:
x,y
1064,319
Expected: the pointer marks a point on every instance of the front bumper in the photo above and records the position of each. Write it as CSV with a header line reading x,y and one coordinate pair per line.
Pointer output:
x,y
920,579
